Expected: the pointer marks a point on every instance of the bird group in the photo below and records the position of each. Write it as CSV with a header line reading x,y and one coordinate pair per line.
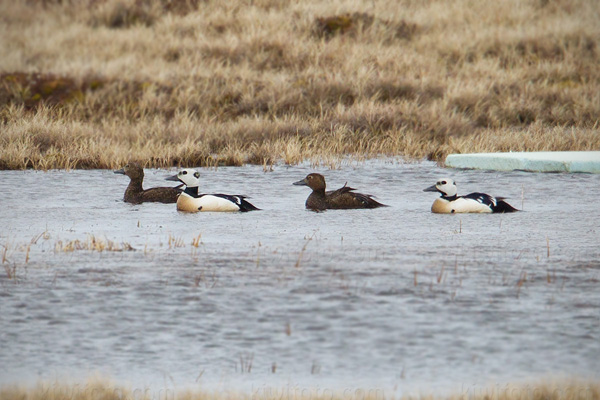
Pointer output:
x,y
189,199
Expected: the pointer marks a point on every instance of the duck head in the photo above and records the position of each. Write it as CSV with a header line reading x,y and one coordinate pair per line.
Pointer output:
x,y
132,170
446,186
313,181
188,176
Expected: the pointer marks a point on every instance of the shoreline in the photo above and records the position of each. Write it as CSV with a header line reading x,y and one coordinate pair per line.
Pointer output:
x,y
98,388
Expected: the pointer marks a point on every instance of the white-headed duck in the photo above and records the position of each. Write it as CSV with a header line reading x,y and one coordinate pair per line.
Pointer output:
x,y
192,201
450,202
135,192
343,198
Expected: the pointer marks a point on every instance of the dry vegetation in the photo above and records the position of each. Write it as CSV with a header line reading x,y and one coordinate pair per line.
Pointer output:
x,y
93,83
92,243
99,390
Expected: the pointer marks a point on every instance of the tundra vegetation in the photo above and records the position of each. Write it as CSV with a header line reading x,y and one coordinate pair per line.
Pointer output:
x,y
97,83
104,390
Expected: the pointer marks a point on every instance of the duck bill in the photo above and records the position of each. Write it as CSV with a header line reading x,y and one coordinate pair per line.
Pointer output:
x,y
431,188
120,171
172,178
301,183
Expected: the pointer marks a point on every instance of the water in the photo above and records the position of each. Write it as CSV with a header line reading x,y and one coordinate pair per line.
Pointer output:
x,y
396,299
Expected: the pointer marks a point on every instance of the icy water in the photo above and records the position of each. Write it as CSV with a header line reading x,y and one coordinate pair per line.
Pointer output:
x,y
396,299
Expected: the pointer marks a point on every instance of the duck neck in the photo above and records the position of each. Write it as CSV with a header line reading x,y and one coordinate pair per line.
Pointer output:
x,y
135,186
450,198
319,192
191,191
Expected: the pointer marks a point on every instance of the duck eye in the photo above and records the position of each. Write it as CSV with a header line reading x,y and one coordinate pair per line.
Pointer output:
x,y
183,172
443,182
310,177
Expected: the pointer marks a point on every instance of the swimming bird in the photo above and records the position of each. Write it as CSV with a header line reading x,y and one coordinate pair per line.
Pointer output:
x,y
343,198
135,192
192,201
450,203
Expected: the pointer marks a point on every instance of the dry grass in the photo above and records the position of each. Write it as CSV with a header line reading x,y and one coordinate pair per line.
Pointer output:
x,y
92,243
175,242
95,83
99,390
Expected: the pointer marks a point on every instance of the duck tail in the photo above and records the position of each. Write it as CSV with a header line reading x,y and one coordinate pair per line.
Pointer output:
x,y
369,201
247,206
375,204
503,207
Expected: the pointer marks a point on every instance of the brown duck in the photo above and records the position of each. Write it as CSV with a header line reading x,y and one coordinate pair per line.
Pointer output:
x,y
343,198
136,194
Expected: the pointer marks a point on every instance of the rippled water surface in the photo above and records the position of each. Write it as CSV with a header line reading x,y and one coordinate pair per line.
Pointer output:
x,y
394,298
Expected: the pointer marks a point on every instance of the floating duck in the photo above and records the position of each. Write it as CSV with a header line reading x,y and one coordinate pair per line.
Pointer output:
x,y
450,203
192,201
343,198
135,192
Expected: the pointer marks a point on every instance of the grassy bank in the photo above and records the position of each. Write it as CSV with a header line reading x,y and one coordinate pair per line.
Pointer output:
x,y
94,83
99,390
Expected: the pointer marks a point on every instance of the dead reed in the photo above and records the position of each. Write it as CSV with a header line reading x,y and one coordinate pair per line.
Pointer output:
x,y
92,84
91,243
197,241
175,242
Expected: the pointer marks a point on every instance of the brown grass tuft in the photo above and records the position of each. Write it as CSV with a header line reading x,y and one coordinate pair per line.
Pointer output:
x,y
128,13
356,23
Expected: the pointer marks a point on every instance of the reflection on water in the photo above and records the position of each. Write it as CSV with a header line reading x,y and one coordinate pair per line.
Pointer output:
x,y
394,298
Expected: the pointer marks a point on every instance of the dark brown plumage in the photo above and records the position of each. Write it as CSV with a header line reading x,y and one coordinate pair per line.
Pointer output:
x,y
343,198
136,194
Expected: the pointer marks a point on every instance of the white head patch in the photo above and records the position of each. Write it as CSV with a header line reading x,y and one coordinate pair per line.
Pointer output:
x,y
447,186
190,177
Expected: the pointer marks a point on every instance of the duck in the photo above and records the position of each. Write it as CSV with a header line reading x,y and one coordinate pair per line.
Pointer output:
x,y
450,202
342,198
193,201
135,192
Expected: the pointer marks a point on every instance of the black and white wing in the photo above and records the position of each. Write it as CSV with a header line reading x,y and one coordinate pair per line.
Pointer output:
x,y
239,200
497,204
482,198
